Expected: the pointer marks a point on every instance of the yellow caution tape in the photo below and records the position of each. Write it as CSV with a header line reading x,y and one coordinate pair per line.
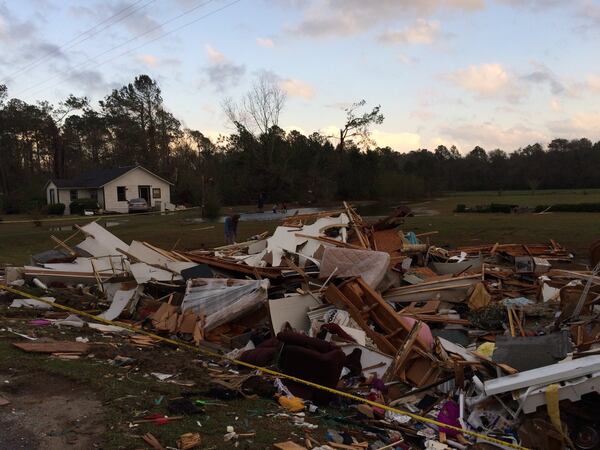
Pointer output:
x,y
94,218
554,412
265,370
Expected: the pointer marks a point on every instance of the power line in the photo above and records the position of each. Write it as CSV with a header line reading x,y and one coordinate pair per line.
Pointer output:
x,y
74,41
153,40
189,11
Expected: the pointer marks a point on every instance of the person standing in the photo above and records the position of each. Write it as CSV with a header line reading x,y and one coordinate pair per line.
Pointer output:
x,y
231,223
261,201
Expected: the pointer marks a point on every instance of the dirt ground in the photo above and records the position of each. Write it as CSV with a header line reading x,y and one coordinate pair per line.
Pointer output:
x,y
90,402
48,412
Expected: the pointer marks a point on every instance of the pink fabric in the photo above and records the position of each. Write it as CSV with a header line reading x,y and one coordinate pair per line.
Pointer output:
x,y
424,333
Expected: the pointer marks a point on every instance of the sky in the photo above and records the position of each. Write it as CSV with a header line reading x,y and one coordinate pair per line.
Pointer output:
x,y
494,73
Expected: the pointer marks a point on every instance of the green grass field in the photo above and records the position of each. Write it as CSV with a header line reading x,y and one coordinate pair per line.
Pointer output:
x,y
448,202
574,230
18,241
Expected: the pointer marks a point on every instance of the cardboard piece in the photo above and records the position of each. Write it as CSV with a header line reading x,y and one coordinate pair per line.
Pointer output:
x,y
479,298
292,309
165,318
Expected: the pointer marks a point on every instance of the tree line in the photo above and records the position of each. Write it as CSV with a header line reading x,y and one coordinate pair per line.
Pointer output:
x,y
131,125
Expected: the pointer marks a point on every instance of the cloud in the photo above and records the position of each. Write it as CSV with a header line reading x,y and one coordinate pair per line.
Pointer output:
x,y
13,30
554,105
297,88
291,86
221,72
589,14
593,82
135,20
149,60
401,142
408,60
214,55
339,105
91,81
423,114
534,5
489,136
420,32
490,80
265,42
484,79
41,49
323,18
543,75
580,124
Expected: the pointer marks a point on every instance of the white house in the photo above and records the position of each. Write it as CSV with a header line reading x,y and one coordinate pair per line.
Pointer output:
x,y
112,188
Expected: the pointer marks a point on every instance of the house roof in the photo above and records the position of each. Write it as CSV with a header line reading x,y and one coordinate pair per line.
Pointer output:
x,y
97,178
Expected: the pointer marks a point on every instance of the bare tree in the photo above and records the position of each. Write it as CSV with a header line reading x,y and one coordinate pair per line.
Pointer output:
x,y
260,108
359,125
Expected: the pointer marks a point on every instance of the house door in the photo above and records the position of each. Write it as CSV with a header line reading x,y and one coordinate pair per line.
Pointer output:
x,y
144,192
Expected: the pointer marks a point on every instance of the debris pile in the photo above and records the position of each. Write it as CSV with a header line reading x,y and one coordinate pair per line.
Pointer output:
x,y
447,347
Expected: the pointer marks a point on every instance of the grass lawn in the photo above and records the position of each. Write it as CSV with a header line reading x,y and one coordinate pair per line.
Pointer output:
x,y
18,241
447,203
573,230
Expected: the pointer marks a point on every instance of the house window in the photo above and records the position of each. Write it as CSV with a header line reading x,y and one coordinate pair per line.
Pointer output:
x,y
155,192
121,193
52,197
73,194
94,194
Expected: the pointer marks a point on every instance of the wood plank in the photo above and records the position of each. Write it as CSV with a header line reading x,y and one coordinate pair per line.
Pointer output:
x,y
288,445
53,347
403,352
63,245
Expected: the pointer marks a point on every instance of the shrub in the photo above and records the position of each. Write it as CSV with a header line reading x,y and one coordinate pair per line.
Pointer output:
x,y
502,208
461,208
81,204
57,209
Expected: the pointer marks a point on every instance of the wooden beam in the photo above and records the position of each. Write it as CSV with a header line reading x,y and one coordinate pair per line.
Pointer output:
x,y
63,245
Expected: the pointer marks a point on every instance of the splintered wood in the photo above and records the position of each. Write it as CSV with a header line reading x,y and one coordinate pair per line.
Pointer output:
x,y
365,305
141,340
